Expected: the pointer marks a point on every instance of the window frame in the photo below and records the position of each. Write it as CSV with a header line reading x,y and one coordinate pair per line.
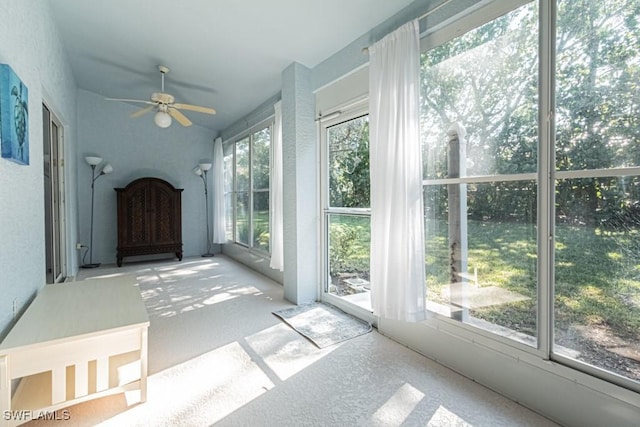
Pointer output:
x,y
546,177
341,114
238,192
437,36
249,135
254,190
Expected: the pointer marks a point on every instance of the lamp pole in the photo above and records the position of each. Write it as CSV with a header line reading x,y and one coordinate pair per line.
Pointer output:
x,y
93,162
201,171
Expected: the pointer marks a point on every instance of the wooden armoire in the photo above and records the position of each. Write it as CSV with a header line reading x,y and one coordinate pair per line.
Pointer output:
x,y
149,218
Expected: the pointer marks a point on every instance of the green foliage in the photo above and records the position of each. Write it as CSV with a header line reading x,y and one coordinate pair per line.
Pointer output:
x,y
261,229
349,241
261,237
597,102
349,164
261,159
242,165
341,238
242,230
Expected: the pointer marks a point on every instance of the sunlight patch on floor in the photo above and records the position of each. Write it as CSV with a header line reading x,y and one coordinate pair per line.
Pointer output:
x,y
281,348
173,300
399,406
105,276
178,273
218,298
202,390
444,417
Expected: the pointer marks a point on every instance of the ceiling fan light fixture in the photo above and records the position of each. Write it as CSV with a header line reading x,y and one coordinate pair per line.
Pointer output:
x,y
162,119
167,108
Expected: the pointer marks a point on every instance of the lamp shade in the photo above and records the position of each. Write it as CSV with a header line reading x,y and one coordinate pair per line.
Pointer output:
x,y
205,166
93,160
107,168
197,170
162,119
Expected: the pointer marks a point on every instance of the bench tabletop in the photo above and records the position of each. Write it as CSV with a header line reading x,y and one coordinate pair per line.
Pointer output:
x,y
87,307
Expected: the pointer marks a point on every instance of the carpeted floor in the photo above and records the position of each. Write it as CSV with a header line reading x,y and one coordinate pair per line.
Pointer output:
x,y
218,356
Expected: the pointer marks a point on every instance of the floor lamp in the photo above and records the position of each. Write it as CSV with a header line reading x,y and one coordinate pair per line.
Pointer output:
x,y
201,171
94,161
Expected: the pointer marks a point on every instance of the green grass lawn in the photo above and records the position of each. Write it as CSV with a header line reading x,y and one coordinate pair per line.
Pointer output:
x,y
597,272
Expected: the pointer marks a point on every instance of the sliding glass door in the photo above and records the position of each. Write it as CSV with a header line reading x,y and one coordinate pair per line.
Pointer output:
x,y
531,135
597,186
480,138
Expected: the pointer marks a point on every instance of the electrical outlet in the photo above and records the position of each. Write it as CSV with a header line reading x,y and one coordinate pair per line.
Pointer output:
x,y
78,245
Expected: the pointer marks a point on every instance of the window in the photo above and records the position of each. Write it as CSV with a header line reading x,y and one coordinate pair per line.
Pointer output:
x,y
597,186
347,210
247,169
532,220
242,193
260,168
479,133
228,191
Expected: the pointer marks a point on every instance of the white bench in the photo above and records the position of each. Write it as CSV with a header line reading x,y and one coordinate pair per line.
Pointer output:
x,y
76,341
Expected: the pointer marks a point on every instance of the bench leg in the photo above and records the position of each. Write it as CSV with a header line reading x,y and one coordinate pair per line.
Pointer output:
x,y
5,391
143,365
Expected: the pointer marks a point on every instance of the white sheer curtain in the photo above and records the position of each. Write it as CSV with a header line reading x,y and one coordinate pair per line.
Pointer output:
x,y
275,199
219,229
397,237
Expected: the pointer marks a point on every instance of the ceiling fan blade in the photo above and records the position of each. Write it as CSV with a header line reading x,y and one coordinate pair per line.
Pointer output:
x,y
130,100
141,112
196,108
180,118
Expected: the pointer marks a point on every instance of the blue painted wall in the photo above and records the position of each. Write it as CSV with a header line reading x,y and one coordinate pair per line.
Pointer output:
x,y
30,44
137,148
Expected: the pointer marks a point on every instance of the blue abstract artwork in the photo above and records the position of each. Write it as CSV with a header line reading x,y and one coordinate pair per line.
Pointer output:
x,y
14,117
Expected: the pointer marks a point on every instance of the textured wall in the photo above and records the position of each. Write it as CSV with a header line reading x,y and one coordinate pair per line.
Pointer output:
x,y
30,44
137,148
261,113
300,176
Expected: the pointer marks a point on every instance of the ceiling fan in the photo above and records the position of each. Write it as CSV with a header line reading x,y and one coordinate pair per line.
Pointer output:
x,y
165,106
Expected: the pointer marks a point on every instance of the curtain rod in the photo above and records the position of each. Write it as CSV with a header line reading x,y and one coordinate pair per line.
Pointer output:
x,y
365,49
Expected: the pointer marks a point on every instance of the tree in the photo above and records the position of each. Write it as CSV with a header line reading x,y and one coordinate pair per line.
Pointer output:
x,y
349,164
488,80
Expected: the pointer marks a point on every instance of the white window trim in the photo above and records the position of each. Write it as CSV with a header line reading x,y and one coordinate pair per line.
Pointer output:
x,y
342,113
248,133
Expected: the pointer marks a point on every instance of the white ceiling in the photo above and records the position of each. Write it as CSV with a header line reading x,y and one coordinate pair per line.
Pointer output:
x,y
225,54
